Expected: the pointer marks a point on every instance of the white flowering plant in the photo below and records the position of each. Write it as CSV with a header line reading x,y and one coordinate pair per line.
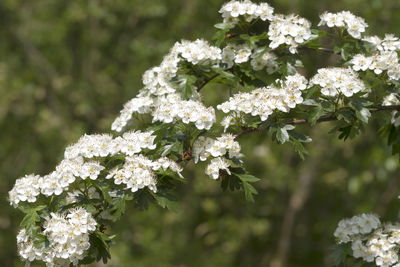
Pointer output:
x,y
257,55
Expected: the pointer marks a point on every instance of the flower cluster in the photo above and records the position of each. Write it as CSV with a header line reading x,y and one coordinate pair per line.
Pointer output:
x,y
102,145
234,53
157,79
263,101
334,81
353,24
232,10
389,100
370,240
217,164
66,173
67,235
198,52
261,60
205,147
232,119
74,165
55,183
26,188
291,30
361,224
140,105
158,85
138,172
389,43
171,108
383,61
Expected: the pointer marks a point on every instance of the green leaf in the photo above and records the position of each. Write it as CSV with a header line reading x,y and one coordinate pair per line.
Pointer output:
x,y
30,220
345,114
299,148
315,113
340,254
320,33
359,105
232,182
345,132
291,70
87,260
249,191
143,198
166,202
247,178
119,207
40,241
99,242
300,137
223,26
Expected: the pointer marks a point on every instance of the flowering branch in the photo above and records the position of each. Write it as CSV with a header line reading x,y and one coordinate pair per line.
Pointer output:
x,y
99,173
323,119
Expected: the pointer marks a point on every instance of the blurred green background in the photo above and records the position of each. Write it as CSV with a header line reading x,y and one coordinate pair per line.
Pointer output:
x,y
67,67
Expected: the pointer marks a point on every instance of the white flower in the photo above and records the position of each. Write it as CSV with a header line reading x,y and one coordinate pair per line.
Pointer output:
x,y
290,30
140,105
91,170
26,188
338,80
216,165
360,62
394,233
172,107
200,148
263,101
353,24
364,224
198,52
68,237
242,53
232,10
261,60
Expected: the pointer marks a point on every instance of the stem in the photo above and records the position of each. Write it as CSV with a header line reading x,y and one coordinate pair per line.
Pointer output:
x,y
207,81
322,119
322,49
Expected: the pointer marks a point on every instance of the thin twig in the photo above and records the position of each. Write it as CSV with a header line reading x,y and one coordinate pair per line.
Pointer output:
x,y
322,49
295,205
207,81
323,119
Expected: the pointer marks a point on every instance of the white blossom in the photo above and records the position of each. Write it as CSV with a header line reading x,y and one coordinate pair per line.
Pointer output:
x,y
363,224
26,188
263,101
217,164
232,10
290,30
68,237
334,81
171,108
353,24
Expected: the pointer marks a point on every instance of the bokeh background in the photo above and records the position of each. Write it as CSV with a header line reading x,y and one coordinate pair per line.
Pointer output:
x,y
67,67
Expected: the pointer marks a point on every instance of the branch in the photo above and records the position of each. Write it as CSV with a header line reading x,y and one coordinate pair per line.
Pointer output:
x,y
207,81
322,49
296,204
323,119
